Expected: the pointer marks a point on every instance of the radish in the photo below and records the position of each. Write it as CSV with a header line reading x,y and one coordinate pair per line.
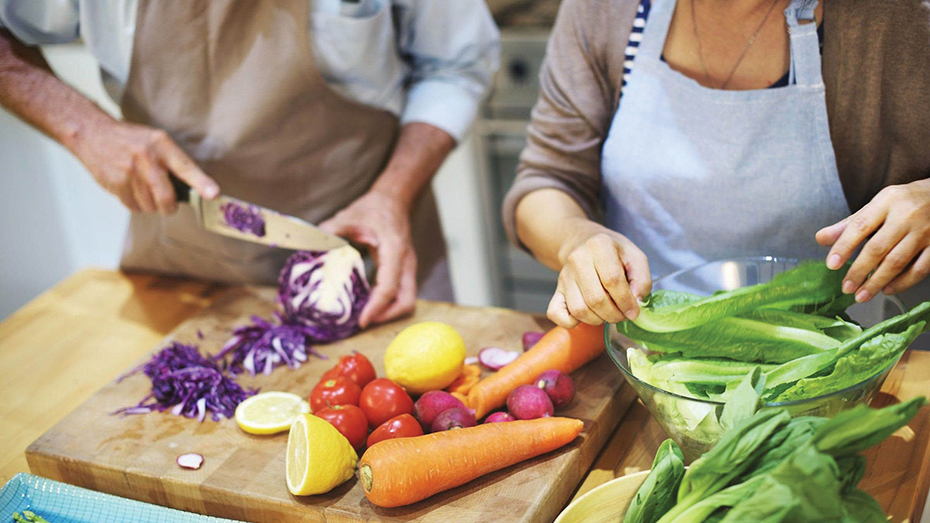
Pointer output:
x,y
530,338
558,385
432,404
529,402
454,418
499,417
496,358
190,461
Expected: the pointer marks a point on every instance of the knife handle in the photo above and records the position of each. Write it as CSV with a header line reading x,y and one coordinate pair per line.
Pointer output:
x,y
182,191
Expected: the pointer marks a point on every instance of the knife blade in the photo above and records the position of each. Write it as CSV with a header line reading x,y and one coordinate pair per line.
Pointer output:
x,y
280,230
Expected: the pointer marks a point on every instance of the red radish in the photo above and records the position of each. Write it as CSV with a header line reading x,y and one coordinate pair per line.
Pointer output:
x,y
434,403
529,402
530,338
558,385
471,360
496,358
190,461
454,418
499,417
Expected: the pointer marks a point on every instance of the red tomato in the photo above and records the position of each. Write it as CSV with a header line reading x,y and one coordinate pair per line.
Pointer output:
x,y
336,391
382,399
349,420
403,426
355,367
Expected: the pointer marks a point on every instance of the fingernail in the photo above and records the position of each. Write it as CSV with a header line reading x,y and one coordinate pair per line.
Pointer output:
x,y
848,287
834,262
211,191
631,314
863,296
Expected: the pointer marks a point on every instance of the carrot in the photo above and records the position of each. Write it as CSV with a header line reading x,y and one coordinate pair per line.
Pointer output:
x,y
471,370
560,349
461,397
466,381
397,472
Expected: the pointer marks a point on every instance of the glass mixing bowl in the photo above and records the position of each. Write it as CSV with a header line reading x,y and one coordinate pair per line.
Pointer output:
x,y
693,423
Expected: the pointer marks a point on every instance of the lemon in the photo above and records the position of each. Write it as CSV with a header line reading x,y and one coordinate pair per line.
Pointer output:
x,y
319,458
424,357
269,412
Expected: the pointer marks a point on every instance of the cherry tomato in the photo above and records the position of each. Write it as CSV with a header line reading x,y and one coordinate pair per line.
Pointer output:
x,y
335,391
356,367
403,426
382,399
349,420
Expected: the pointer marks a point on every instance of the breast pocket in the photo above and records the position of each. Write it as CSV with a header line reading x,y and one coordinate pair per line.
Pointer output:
x,y
357,52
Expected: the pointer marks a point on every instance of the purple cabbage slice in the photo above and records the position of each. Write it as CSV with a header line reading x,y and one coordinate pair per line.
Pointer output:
x,y
188,384
263,345
325,292
245,218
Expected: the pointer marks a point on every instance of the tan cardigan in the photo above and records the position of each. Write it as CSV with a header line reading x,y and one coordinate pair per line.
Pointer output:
x,y
876,68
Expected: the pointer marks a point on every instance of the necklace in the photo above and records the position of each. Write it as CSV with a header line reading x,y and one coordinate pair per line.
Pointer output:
x,y
739,60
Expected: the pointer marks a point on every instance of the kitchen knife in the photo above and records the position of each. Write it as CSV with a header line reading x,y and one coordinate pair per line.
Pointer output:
x,y
280,230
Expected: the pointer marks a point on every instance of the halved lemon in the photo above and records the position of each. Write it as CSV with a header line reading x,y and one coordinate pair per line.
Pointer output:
x,y
269,412
315,445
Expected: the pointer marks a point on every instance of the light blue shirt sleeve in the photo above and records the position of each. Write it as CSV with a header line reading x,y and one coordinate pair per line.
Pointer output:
x,y
453,49
36,22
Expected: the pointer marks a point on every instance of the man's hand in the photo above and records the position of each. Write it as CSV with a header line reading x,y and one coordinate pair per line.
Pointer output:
x,y
133,162
898,253
603,276
382,223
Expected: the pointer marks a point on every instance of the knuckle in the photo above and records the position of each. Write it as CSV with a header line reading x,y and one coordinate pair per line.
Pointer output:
x,y
897,261
859,224
598,301
612,279
160,136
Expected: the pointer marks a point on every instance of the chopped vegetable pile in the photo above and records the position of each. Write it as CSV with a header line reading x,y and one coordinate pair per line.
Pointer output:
x,y
188,384
262,345
245,218
322,295
325,292
771,468
794,328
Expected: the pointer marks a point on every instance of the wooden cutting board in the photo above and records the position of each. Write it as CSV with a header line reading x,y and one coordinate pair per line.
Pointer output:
x,y
243,475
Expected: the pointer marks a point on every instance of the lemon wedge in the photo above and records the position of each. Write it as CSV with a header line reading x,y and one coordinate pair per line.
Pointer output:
x,y
269,412
315,445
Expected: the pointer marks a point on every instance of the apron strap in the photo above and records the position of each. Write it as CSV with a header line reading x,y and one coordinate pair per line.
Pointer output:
x,y
656,30
805,44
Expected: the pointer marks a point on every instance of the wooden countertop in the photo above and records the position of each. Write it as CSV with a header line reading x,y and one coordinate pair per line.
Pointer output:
x,y
63,346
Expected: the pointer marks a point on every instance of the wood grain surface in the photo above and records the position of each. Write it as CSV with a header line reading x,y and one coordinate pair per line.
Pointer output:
x,y
64,345
243,475
898,472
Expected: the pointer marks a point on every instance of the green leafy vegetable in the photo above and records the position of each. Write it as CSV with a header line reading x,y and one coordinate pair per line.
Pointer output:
x,y
657,493
857,429
809,283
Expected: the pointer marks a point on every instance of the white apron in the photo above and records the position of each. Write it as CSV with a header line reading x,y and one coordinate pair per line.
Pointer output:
x,y
693,174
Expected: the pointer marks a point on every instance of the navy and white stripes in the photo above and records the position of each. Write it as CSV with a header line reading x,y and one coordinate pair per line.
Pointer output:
x,y
636,36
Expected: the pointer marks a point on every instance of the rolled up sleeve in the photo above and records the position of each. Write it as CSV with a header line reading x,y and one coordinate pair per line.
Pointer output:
x,y
579,90
453,48
37,22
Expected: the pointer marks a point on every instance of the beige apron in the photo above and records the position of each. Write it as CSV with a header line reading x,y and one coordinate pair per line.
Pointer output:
x,y
235,85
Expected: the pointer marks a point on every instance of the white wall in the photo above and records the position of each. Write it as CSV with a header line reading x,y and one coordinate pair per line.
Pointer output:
x,y
57,220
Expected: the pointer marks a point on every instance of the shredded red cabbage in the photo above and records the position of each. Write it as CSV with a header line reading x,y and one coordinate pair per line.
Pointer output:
x,y
189,384
263,345
325,292
245,218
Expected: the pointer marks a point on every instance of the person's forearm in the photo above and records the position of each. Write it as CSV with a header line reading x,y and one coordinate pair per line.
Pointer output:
x,y
31,91
421,148
550,224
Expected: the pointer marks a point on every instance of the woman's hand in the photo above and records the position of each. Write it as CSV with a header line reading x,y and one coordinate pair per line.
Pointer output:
x,y
898,253
133,161
602,279
382,223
